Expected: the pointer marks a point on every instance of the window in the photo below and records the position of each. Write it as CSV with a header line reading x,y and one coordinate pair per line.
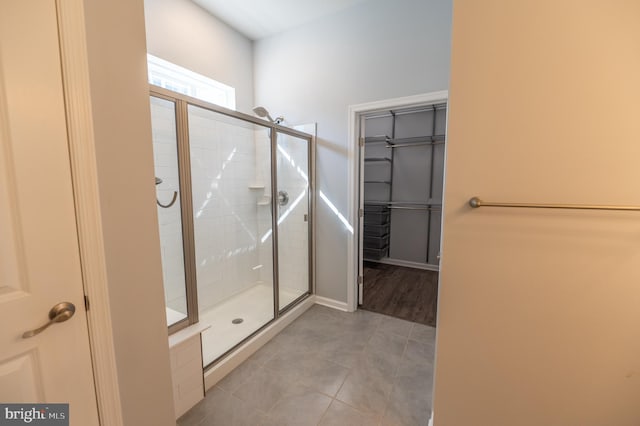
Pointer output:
x,y
178,79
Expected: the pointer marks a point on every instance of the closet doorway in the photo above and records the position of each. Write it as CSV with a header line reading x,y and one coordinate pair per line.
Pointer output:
x,y
402,155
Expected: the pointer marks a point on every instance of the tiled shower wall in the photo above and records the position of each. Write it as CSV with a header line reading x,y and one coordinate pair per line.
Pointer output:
x,y
226,206
263,178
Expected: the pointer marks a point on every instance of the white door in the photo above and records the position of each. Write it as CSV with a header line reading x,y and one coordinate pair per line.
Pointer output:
x,y
39,257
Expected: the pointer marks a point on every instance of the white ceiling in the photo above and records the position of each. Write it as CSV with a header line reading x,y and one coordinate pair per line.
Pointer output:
x,y
258,19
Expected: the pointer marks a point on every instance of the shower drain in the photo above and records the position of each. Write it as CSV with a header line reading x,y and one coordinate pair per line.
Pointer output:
x,y
237,321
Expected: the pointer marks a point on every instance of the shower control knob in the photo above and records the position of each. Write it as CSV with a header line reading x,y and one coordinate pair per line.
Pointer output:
x,y
283,198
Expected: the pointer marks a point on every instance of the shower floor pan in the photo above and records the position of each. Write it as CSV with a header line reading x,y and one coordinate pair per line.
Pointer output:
x,y
254,306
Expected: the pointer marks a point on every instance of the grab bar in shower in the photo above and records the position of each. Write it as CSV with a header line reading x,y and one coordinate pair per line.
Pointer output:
x,y
476,202
173,200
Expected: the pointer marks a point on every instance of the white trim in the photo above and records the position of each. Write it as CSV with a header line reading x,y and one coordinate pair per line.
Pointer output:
x,y
332,303
224,367
187,333
75,70
408,264
355,111
444,202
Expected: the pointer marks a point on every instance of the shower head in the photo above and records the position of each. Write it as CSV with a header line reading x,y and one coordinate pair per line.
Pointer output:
x,y
262,112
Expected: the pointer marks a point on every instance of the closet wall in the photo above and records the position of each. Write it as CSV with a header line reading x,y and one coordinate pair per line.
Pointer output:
x,y
403,181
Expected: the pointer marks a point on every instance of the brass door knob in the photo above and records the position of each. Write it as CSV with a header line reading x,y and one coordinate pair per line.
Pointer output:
x,y
59,313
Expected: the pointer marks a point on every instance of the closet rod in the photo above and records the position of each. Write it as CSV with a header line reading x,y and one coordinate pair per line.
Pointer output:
x,y
410,203
426,108
377,139
414,208
406,145
476,202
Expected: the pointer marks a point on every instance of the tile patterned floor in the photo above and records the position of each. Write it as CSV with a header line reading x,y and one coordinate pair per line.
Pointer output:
x,y
329,368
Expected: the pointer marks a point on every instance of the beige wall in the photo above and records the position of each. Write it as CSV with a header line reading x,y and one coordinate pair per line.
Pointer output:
x,y
539,316
121,119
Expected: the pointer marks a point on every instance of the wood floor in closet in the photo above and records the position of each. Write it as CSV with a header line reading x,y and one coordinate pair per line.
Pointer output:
x,y
407,293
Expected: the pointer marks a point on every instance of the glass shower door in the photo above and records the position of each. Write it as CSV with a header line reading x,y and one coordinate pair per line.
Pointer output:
x,y
165,153
293,218
241,189
230,176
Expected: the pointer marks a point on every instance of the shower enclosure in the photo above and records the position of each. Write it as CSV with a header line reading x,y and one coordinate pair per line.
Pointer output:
x,y
236,242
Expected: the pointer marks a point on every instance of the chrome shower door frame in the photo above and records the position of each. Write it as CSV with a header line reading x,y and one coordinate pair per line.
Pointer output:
x,y
275,211
184,164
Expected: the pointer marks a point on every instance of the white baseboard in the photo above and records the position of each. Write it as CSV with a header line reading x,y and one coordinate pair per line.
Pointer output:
x,y
331,303
407,264
220,370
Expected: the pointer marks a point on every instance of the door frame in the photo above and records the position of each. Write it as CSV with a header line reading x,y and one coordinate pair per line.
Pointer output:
x,y
356,112
84,175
